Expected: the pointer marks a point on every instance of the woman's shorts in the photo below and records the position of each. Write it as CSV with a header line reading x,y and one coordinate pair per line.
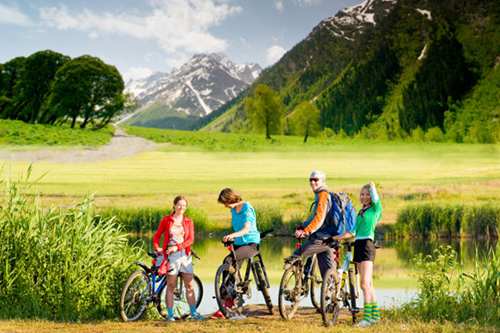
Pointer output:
x,y
364,250
179,262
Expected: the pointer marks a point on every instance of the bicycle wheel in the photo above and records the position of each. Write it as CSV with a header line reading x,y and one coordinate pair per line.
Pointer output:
x,y
227,297
291,292
352,294
135,296
263,286
198,289
315,286
180,301
330,307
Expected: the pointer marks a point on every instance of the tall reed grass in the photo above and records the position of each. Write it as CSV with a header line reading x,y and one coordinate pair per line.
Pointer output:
x,y
448,293
147,219
59,264
452,221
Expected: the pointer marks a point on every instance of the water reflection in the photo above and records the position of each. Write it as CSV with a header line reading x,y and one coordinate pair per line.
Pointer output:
x,y
394,280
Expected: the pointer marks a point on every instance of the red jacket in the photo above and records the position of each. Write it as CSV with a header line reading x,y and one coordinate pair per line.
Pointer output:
x,y
164,228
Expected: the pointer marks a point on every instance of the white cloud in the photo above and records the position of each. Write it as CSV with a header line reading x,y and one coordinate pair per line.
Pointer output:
x,y
274,53
136,73
93,35
177,26
308,3
280,6
12,15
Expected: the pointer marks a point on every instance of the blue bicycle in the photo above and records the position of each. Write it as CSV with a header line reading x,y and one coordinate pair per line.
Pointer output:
x,y
145,287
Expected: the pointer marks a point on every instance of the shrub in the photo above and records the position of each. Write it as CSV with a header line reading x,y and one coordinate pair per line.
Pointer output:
x,y
434,134
448,293
417,134
60,264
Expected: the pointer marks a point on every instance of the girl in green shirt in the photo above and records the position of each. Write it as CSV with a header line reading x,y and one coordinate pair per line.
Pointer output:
x,y
364,249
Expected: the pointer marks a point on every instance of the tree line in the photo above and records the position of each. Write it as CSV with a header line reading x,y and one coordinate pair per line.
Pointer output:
x,y
48,87
266,112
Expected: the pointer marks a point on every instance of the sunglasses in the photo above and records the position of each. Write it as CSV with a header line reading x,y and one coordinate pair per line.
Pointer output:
x,y
314,180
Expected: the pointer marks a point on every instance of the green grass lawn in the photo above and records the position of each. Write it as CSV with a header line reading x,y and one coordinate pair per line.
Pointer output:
x,y
16,133
405,173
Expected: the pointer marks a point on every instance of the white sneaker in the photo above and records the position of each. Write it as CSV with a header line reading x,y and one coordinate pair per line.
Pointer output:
x,y
364,323
238,317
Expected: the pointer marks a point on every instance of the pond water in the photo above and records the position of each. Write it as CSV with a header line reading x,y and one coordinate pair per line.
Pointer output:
x,y
394,279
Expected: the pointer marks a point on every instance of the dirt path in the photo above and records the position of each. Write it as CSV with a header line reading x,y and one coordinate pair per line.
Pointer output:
x,y
121,145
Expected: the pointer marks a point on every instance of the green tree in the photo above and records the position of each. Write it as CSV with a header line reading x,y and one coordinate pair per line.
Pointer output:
x,y
89,89
34,85
305,119
10,74
265,110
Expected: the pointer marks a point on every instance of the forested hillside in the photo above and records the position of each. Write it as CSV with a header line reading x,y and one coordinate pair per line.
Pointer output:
x,y
394,69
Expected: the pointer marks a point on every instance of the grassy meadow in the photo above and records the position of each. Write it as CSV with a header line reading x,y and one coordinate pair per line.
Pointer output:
x,y
273,176
16,134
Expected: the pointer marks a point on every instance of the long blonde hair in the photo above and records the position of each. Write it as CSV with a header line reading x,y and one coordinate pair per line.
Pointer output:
x,y
367,187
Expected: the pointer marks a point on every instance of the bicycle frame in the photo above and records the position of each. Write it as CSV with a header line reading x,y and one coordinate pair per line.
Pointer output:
x,y
250,265
347,263
348,272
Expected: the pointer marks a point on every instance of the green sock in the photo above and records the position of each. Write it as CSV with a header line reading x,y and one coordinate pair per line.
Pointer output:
x,y
375,311
367,312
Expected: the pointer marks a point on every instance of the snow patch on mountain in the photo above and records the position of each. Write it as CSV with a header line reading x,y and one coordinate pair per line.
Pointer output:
x,y
351,21
198,97
201,85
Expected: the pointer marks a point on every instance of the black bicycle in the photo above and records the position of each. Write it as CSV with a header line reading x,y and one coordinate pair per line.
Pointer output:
x,y
340,288
231,287
300,278
145,287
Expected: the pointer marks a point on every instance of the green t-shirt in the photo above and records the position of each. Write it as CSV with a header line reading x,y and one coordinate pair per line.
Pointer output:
x,y
365,224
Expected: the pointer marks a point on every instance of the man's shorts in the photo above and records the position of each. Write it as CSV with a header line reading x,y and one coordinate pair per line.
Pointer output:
x,y
179,262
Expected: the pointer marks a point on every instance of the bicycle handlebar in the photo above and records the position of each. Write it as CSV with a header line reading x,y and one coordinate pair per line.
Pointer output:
x,y
266,233
263,235
154,255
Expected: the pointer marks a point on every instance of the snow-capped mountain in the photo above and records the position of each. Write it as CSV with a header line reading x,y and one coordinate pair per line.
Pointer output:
x,y
200,86
351,21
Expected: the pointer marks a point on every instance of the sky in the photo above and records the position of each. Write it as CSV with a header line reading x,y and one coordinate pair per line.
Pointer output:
x,y
140,37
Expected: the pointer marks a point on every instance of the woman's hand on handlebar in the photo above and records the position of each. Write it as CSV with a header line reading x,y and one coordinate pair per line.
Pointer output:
x,y
171,249
228,238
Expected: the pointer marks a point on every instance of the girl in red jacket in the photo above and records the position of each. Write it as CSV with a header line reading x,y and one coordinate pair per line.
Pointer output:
x,y
178,233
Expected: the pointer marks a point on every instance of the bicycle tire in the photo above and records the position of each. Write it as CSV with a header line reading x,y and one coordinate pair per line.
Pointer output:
x,y
315,282
140,297
219,283
199,295
330,307
198,290
263,287
284,293
352,294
